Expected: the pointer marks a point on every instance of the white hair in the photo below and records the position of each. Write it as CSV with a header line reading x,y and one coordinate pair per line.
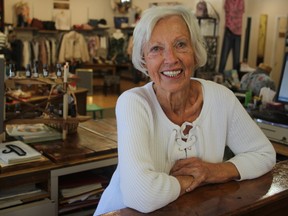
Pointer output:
x,y
145,26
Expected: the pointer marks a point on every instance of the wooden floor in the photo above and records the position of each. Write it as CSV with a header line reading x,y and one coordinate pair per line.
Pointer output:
x,y
109,100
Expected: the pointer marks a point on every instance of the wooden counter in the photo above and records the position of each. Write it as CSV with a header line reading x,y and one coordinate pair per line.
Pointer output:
x,y
86,150
280,148
95,146
104,127
267,195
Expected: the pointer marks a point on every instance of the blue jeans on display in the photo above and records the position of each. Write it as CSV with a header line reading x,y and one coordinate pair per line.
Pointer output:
x,y
230,41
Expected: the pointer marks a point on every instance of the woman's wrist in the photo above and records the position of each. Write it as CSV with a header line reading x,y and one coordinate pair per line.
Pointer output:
x,y
223,172
185,182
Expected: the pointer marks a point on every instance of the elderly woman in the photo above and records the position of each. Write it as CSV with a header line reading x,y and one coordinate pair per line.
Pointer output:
x,y
173,131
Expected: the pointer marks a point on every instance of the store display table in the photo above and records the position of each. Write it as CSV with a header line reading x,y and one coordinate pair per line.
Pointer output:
x,y
91,148
267,195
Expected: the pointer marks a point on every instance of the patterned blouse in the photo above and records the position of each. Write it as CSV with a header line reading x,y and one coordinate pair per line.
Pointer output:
x,y
256,80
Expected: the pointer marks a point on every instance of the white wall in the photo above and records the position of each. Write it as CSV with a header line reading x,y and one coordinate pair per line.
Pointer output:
x,y
82,10
273,54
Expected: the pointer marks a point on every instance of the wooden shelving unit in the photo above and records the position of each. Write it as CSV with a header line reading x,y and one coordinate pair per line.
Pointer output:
x,y
33,112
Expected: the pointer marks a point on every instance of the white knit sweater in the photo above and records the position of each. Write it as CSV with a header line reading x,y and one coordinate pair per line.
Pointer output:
x,y
148,146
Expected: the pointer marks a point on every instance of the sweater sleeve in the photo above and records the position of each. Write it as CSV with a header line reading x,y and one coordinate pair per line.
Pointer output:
x,y
143,187
255,154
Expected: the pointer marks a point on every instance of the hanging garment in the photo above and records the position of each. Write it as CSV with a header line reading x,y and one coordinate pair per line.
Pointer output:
x,y
234,10
73,48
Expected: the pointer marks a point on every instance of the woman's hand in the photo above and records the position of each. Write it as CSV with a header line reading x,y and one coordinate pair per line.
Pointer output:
x,y
204,172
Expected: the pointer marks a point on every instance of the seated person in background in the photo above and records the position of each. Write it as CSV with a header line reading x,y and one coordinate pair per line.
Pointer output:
x,y
172,132
258,79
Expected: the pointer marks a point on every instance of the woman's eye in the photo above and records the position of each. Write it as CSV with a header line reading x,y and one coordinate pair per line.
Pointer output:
x,y
155,49
181,45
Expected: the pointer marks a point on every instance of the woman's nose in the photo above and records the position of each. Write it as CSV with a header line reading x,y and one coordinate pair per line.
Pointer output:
x,y
170,55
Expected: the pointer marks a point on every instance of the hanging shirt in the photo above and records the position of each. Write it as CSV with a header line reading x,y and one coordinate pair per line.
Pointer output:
x,y
3,40
234,10
62,20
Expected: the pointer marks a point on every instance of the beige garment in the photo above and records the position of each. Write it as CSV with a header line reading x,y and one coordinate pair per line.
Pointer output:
x,y
73,48
43,51
26,53
62,20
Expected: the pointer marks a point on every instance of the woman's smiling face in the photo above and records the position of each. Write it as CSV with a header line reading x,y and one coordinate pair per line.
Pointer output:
x,y
169,54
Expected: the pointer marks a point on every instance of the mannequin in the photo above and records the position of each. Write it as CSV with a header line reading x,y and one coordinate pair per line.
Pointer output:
x,y
117,47
118,34
201,9
62,20
234,10
23,14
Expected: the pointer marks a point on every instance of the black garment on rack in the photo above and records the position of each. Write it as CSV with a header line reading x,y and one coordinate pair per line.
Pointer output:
x,y
17,51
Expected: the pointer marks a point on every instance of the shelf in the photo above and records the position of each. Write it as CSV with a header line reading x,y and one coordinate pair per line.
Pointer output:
x,y
23,199
74,189
29,33
69,120
43,31
42,207
33,81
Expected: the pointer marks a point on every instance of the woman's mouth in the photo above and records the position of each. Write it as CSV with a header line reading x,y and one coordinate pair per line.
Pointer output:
x,y
172,73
